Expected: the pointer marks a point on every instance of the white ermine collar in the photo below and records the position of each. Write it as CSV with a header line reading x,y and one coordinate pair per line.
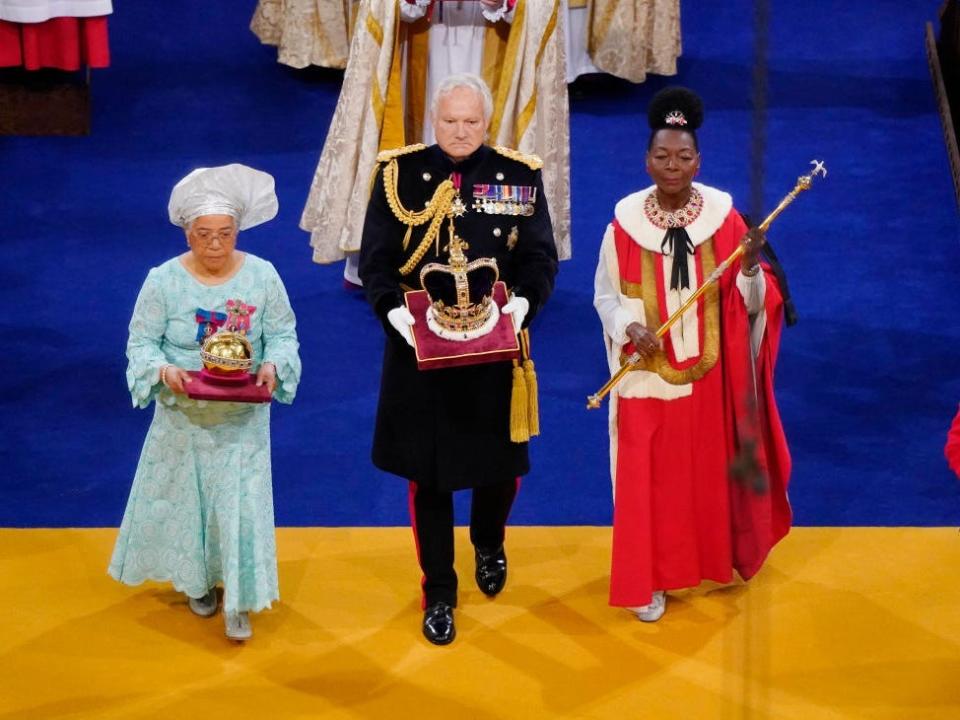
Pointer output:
x,y
629,213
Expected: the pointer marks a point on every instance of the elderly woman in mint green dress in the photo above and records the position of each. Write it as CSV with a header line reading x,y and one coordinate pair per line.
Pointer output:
x,y
200,511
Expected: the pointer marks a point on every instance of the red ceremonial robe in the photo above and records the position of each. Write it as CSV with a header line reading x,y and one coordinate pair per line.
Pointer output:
x,y
63,43
952,449
679,518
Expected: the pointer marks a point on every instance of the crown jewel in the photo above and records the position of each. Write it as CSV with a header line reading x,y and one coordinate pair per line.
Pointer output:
x,y
460,293
227,351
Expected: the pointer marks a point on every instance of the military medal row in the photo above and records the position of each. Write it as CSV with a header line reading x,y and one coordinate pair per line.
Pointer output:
x,y
504,199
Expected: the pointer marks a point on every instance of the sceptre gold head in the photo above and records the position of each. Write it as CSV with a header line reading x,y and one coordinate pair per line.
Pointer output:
x,y
804,181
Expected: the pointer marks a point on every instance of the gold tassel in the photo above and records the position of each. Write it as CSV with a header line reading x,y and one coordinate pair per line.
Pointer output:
x,y
533,404
519,409
406,236
530,377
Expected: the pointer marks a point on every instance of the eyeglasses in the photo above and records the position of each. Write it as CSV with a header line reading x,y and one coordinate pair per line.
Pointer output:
x,y
206,237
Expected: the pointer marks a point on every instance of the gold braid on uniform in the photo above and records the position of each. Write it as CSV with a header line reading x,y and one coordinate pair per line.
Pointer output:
x,y
387,155
435,212
531,161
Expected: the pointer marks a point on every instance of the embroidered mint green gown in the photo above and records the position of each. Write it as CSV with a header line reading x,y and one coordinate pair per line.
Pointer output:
x,y
200,510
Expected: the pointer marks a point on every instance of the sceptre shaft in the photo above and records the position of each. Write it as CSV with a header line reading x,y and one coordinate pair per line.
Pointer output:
x,y
803,183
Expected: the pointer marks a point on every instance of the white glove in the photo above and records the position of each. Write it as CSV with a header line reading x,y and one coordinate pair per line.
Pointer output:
x,y
411,12
401,319
495,10
518,307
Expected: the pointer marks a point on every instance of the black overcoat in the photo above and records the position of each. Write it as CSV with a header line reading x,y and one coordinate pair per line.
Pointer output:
x,y
450,428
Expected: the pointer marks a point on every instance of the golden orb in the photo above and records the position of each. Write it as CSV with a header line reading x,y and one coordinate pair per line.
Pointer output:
x,y
227,352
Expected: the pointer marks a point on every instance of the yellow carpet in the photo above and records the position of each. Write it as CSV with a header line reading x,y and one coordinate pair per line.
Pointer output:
x,y
841,623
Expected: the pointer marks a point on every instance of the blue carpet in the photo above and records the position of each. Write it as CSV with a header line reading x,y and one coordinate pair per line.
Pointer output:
x,y
868,381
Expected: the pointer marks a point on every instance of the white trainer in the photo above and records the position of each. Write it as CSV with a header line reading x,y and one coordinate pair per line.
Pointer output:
x,y
654,611
237,625
205,606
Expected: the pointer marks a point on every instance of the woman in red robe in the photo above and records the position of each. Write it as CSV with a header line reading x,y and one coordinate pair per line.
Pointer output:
x,y
702,402
952,449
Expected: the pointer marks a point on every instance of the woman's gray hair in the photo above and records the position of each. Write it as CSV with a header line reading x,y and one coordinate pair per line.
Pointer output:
x,y
188,225
464,80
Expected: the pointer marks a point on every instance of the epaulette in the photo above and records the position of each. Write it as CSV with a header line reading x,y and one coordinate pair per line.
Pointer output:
x,y
531,161
388,155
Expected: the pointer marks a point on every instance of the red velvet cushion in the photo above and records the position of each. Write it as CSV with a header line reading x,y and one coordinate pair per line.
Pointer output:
x,y
436,352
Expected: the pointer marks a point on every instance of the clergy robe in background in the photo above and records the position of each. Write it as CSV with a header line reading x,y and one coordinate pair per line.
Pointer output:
x,y
575,37
56,34
630,38
306,32
384,97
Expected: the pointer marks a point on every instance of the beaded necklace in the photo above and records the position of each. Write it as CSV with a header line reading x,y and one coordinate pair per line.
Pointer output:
x,y
666,219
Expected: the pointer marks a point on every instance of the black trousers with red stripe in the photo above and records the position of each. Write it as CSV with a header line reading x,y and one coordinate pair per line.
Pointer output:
x,y
431,513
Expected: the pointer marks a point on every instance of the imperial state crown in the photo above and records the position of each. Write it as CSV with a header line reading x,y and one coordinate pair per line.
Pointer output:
x,y
460,304
461,294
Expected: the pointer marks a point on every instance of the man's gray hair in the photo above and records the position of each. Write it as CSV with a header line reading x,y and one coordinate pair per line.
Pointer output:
x,y
464,80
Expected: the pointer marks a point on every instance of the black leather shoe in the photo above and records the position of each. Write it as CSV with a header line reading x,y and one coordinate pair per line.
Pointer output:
x,y
438,625
491,570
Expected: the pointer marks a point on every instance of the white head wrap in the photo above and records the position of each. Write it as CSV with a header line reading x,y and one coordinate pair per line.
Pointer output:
x,y
237,190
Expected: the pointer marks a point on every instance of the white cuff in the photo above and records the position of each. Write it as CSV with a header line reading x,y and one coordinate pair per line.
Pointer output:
x,y
753,289
411,12
621,320
501,13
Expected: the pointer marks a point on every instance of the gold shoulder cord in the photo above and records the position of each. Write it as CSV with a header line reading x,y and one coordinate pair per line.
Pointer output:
x,y
385,155
388,155
531,161
435,212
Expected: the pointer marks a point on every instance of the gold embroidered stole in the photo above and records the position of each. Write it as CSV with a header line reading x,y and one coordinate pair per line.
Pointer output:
x,y
646,290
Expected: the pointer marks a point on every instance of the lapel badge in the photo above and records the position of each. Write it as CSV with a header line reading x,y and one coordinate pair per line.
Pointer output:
x,y
512,238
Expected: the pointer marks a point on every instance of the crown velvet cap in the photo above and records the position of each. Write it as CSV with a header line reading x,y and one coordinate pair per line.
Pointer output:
x,y
245,194
442,285
460,293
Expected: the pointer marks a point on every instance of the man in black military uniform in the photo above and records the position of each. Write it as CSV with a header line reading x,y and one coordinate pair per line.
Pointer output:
x,y
449,429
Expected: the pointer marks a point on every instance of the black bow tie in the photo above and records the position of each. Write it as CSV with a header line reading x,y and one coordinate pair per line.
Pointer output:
x,y
678,243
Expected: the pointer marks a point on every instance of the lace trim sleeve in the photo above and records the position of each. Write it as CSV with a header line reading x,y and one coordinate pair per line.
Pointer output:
x,y
144,354
280,344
